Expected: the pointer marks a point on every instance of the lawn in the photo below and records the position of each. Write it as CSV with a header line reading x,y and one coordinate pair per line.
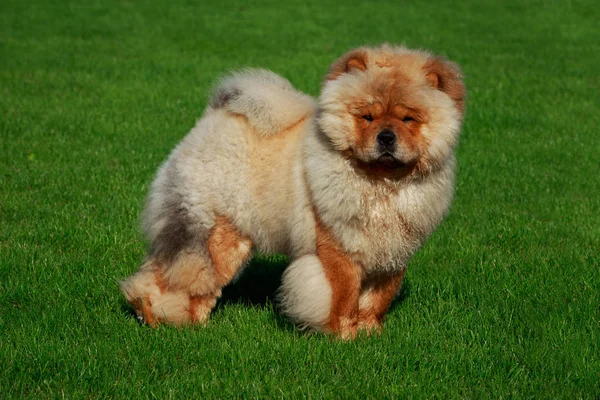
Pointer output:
x,y
503,301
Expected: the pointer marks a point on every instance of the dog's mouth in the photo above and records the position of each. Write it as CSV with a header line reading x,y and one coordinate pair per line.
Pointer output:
x,y
388,161
387,165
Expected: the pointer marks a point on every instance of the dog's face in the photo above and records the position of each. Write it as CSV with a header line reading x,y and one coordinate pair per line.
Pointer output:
x,y
392,111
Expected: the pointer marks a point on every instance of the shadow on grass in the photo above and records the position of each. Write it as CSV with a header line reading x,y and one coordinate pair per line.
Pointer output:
x,y
402,295
257,287
258,283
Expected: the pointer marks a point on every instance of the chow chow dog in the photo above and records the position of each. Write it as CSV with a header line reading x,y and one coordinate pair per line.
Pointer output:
x,y
349,186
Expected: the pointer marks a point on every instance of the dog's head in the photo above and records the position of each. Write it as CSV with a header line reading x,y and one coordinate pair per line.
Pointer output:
x,y
392,111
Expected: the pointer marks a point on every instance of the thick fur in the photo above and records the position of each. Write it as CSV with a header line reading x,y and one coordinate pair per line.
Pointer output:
x,y
269,101
306,294
266,168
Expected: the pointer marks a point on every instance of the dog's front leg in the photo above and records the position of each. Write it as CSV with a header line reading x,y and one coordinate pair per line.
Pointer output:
x,y
376,296
344,278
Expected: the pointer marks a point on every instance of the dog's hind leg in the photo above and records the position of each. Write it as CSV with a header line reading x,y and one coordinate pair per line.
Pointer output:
x,y
185,289
229,250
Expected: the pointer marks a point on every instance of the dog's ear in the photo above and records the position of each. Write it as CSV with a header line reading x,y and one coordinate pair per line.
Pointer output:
x,y
446,76
355,60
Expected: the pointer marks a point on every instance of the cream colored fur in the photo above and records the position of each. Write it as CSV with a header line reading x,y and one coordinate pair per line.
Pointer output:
x,y
265,158
269,101
306,294
171,306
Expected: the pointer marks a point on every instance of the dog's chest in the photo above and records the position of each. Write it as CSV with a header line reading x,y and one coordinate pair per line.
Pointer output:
x,y
383,232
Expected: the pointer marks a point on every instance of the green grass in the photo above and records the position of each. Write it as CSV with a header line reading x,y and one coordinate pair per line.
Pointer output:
x,y
503,301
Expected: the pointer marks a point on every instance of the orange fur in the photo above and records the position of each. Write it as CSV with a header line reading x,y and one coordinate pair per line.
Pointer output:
x,y
344,278
354,60
391,110
381,292
192,273
160,281
146,311
200,307
446,76
228,249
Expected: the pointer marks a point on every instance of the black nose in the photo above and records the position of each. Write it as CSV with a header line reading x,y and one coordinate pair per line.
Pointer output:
x,y
386,138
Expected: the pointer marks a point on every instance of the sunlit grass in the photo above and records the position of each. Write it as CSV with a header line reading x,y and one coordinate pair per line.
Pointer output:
x,y
503,301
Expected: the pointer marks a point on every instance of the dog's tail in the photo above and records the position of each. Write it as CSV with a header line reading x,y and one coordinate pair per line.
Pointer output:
x,y
269,102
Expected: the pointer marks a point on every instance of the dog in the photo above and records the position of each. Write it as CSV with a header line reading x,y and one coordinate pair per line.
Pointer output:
x,y
349,186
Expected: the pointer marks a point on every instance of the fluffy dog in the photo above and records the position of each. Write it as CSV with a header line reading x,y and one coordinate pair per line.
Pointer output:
x,y
349,187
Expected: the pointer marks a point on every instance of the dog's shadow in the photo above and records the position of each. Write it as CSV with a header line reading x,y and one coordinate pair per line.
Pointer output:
x,y
257,284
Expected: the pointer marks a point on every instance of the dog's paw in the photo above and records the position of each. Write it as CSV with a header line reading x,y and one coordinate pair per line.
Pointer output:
x,y
347,329
370,325
155,303
174,308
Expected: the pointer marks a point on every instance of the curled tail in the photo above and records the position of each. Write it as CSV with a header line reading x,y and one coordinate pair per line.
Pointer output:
x,y
269,102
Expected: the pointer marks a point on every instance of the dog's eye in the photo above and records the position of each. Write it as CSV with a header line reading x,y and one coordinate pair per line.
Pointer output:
x,y
407,119
367,117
